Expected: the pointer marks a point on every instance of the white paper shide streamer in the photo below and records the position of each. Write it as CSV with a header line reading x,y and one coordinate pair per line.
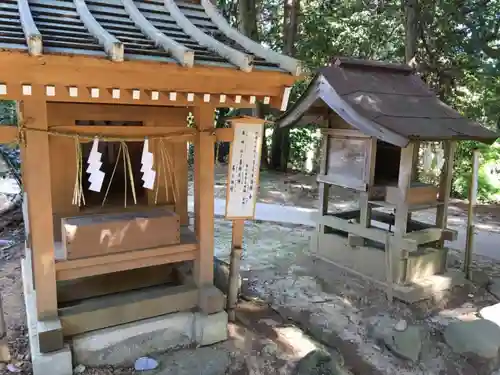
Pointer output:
x,y
94,162
149,174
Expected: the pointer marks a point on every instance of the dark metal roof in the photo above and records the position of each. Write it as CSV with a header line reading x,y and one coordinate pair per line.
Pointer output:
x,y
388,101
60,26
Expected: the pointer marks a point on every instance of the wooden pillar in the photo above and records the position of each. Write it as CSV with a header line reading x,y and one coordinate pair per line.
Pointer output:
x,y
404,181
33,112
401,219
445,186
204,194
469,243
364,206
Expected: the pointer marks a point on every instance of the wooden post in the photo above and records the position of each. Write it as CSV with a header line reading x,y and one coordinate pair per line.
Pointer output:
x,y
4,348
445,186
234,270
33,112
323,187
364,206
204,194
469,245
401,219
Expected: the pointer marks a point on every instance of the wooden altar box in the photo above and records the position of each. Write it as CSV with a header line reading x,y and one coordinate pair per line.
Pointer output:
x,y
101,234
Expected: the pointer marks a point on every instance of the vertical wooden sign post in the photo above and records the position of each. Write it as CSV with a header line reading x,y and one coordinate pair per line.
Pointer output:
x,y
469,243
242,188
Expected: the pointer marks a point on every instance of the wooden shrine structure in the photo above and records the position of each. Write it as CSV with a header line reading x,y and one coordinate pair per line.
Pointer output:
x,y
374,118
122,72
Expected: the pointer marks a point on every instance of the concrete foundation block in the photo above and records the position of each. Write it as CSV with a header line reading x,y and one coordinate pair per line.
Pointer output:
x,y
122,345
210,329
4,350
211,300
53,363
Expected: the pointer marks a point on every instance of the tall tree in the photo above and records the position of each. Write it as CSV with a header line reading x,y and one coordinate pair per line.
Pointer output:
x,y
280,148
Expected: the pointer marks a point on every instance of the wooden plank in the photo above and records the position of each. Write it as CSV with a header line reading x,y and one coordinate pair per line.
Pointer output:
x,y
343,181
188,243
121,308
373,234
170,77
100,285
164,117
204,195
33,112
8,133
445,185
102,234
344,133
425,235
148,261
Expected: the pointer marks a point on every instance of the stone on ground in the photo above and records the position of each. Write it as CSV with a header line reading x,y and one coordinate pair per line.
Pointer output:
x,y
494,287
221,276
318,362
200,361
478,337
491,313
404,340
480,278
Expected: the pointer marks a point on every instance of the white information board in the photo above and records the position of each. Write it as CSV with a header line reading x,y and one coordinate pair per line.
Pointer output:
x,y
244,167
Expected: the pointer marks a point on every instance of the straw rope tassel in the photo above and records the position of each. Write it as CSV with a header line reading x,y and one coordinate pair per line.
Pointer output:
x,y
127,159
78,195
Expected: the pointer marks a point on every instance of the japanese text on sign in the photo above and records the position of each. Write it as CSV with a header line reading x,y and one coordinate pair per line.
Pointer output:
x,y
244,168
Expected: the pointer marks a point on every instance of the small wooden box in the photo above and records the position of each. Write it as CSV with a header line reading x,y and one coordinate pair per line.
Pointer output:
x,y
417,194
101,234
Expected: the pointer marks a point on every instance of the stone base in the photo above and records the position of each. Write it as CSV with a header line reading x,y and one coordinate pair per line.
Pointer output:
x,y
122,345
425,279
53,363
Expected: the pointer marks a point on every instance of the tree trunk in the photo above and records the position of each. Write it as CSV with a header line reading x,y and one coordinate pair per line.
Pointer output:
x,y
280,147
411,30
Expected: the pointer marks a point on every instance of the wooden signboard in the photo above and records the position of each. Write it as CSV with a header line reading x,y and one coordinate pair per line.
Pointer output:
x,y
244,166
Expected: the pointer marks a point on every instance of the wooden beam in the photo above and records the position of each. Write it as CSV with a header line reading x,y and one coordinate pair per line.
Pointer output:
x,y
181,53
224,134
33,112
116,282
106,311
8,133
204,194
373,234
60,70
73,269
287,63
31,33
240,59
473,185
324,188
113,47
